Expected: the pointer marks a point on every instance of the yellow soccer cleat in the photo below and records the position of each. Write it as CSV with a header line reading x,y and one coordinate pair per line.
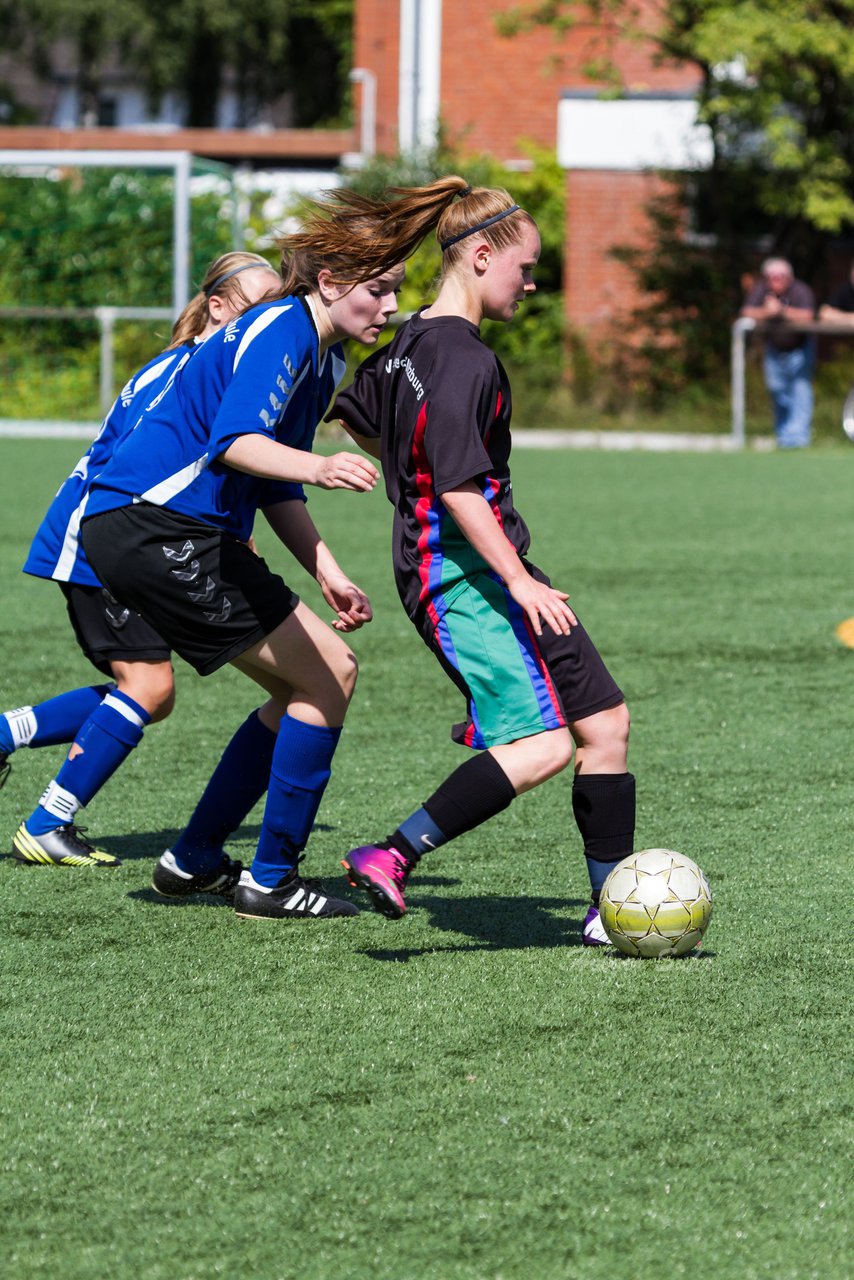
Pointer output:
x,y
64,846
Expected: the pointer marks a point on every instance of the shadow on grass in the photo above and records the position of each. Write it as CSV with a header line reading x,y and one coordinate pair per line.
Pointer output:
x,y
151,896
148,845
494,924
194,900
335,886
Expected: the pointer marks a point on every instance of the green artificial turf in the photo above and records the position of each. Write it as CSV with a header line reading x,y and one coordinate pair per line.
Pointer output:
x,y
465,1094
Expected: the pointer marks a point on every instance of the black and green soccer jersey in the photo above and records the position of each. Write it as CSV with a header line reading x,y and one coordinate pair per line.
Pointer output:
x,y
439,400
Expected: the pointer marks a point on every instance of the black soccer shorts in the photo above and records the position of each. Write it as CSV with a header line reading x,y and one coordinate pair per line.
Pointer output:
x,y
204,591
109,632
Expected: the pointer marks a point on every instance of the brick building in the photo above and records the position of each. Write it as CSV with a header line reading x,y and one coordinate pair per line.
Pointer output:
x,y
423,62
417,63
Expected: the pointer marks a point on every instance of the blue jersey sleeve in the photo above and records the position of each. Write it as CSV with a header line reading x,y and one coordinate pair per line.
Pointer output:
x,y
269,359
263,374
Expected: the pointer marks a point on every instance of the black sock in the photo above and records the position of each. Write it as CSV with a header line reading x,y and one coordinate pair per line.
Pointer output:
x,y
604,809
474,792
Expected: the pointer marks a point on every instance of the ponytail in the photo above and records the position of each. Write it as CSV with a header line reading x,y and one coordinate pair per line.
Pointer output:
x,y
190,323
357,237
223,279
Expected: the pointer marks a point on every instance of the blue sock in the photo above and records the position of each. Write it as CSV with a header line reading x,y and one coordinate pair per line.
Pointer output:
x,y
420,833
598,871
106,739
236,785
302,760
56,720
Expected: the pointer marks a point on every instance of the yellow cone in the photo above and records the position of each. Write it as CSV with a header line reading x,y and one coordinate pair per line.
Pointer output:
x,y
845,631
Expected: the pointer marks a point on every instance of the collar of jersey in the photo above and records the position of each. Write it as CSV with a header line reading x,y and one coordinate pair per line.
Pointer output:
x,y
311,311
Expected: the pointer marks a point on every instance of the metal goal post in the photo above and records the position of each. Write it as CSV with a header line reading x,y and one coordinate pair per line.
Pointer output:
x,y
180,162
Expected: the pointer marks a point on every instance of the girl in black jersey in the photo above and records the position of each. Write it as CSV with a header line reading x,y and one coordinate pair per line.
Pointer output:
x,y
435,405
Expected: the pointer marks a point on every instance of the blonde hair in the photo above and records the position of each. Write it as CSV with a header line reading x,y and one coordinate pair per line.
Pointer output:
x,y
194,319
478,206
357,237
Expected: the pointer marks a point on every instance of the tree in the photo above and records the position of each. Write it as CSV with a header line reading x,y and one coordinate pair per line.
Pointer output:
x,y
90,29
270,48
190,45
777,92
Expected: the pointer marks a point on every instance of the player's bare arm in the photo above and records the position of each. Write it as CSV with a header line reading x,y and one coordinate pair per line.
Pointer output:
x,y
472,514
258,455
370,444
834,316
294,527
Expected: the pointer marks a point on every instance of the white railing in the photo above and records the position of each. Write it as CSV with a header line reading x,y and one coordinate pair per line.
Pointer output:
x,y
741,330
105,318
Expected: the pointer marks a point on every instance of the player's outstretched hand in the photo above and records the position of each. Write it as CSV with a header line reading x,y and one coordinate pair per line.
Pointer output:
x,y
347,471
543,602
349,602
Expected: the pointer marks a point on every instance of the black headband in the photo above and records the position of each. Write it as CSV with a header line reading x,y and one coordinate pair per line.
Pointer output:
x,y
212,288
487,222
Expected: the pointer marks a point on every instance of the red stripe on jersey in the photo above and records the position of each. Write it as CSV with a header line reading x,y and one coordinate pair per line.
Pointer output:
x,y
492,487
425,507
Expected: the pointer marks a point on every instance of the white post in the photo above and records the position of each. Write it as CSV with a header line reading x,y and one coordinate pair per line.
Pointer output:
x,y
429,73
408,76
368,115
181,234
106,317
419,73
740,330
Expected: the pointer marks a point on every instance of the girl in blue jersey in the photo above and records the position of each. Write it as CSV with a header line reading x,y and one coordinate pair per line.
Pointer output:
x,y
438,401
105,722
168,521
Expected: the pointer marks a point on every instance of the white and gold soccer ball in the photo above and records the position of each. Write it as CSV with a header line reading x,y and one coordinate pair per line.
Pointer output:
x,y
655,903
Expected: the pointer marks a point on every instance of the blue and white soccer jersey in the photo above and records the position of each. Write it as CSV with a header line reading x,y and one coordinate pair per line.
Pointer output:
x,y
56,551
167,524
262,374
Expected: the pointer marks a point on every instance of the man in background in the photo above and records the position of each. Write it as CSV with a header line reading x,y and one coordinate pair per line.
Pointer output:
x,y
782,302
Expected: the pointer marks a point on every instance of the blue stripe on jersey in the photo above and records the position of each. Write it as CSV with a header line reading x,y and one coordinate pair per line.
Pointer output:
x,y
261,375
435,518
55,551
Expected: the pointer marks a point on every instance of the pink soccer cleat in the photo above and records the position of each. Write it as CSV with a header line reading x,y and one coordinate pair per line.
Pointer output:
x,y
382,873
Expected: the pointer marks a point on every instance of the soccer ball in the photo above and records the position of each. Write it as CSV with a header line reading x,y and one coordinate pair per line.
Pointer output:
x,y
655,903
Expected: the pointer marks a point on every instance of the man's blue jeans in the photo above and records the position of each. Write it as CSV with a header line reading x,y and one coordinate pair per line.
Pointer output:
x,y
788,377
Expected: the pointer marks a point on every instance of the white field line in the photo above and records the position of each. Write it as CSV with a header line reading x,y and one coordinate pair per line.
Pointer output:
x,y
648,441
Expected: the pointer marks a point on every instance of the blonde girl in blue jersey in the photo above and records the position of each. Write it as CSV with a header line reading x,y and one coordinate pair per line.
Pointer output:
x,y
168,522
105,722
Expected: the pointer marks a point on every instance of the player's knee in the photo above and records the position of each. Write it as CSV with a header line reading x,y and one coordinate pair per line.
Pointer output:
x,y
560,754
348,672
545,755
153,688
622,724
164,706
603,740
340,674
